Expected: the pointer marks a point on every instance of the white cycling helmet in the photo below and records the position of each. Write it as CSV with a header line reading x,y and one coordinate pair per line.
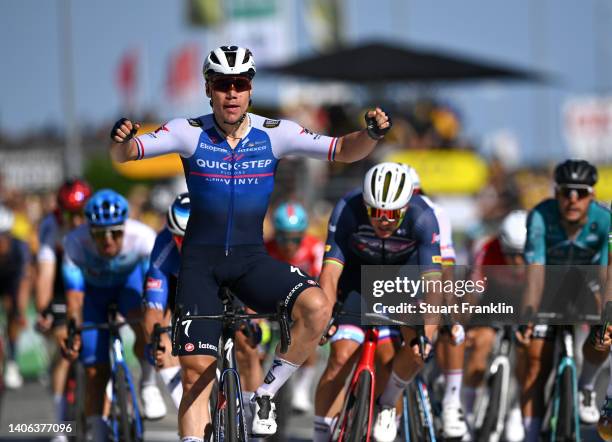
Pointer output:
x,y
388,186
416,181
513,232
229,60
7,219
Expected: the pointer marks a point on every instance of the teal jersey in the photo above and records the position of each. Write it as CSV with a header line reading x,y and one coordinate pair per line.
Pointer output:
x,y
547,242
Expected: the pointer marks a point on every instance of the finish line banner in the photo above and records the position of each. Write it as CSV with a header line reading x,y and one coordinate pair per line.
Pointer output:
x,y
483,295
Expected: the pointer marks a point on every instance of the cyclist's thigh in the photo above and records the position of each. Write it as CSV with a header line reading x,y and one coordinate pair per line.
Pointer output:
x,y
265,281
198,294
94,347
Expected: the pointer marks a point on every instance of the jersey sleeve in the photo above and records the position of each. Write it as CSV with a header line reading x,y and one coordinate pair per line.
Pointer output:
x,y
156,289
427,233
290,138
46,239
71,272
341,224
535,246
172,137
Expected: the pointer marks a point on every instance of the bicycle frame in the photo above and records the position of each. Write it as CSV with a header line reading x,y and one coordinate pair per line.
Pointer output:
x,y
566,363
366,363
117,357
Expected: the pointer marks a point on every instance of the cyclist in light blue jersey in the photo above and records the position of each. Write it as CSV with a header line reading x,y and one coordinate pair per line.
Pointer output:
x,y
229,157
104,262
569,229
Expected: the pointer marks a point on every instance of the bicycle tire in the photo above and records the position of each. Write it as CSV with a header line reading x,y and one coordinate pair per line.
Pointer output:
x,y
359,414
78,373
121,407
489,424
565,429
410,412
230,419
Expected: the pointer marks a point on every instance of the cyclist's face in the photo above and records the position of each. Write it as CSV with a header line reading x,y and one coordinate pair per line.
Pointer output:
x,y
230,97
289,243
574,202
385,222
108,240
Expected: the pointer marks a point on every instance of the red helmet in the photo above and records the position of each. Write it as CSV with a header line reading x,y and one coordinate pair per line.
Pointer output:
x,y
73,194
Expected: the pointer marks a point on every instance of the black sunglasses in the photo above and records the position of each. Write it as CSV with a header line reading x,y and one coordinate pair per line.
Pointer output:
x,y
224,84
581,192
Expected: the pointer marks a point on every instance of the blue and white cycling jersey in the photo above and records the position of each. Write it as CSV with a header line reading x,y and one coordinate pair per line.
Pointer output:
x,y
83,265
164,264
230,188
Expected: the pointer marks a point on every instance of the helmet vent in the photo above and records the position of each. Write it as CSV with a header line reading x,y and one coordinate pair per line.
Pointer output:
x,y
386,186
373,183
214,58
400,188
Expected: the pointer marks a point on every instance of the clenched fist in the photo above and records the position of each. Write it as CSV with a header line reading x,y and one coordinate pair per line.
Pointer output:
x,y
378,123
124,130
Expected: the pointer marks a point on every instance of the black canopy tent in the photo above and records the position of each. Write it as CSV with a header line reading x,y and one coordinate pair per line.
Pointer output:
x,y
378,62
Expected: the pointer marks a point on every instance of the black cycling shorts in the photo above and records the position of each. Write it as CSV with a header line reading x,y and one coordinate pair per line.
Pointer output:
x,y
257,279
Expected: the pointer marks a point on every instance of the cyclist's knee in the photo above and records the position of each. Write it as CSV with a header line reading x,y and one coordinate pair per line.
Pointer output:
x,y
198,369
313,307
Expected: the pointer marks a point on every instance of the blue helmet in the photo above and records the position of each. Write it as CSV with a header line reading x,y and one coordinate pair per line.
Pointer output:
x,y
290,217
178,214
106,208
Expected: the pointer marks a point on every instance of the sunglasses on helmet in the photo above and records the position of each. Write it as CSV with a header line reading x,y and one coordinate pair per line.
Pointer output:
x,y
581,191
225,83
389,215
99,233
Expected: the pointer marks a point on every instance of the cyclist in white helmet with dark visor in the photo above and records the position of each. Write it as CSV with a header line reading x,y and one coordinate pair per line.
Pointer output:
x,y
230,157
382,223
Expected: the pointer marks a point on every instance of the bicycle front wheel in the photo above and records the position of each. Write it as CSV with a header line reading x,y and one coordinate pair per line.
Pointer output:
x,y
358,422
120,407
565,427
490,423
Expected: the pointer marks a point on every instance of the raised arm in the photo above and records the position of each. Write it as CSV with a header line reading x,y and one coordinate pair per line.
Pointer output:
x,y
123,147
358,145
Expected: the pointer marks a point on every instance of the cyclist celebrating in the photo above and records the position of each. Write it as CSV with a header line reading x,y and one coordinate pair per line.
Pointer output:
x,y
229,158
160,290
292,244
105,261
382,223
50,294
569,229
14,291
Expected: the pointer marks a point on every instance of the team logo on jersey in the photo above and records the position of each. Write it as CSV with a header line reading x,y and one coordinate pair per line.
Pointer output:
x,y
162,127
189,347
311,282
154,284
327,247
270,124
195,122
436,259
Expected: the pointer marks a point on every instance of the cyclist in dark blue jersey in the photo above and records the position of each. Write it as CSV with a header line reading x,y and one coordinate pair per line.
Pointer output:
x,y
229,158
569,229
383,223
160,289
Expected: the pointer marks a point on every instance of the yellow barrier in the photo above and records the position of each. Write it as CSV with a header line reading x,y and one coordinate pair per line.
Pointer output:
x,y
603,189
165,166
446,171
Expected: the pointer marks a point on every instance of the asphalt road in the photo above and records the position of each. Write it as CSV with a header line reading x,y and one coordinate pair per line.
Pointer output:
x,y
33,404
